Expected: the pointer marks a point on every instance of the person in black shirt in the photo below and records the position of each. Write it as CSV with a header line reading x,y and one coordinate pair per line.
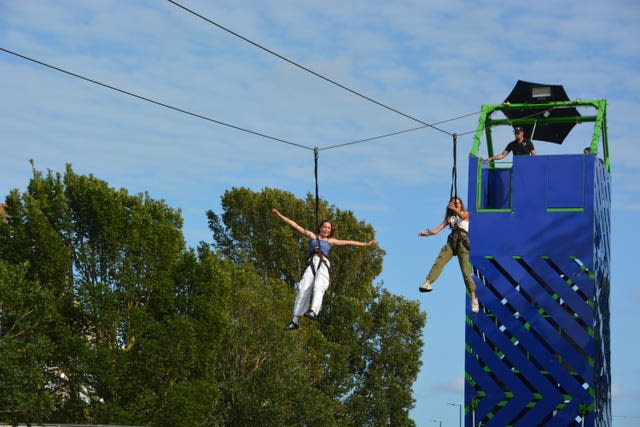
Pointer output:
x,y
520,146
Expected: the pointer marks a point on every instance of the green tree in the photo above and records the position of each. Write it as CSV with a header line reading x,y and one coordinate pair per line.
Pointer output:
x,y
108,258
27,388
365,349
125,249
382,389
106,317
34,237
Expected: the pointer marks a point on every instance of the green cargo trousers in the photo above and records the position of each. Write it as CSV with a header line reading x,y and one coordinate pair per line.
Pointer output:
x,y
459,249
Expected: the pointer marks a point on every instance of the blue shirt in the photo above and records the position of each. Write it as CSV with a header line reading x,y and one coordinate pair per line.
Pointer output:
x,y
325,246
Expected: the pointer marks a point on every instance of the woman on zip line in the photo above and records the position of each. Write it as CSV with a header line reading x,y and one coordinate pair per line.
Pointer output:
x,y
315,279
457,245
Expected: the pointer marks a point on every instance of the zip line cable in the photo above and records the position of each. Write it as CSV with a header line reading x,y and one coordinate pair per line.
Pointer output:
x,y
209,119
372,138
454,171
161,104
457,118
306,69
315,173
398,133
316,150
454,185
528,116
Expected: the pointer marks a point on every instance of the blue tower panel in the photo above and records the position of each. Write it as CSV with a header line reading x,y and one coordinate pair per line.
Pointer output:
x,y
499,181
538,352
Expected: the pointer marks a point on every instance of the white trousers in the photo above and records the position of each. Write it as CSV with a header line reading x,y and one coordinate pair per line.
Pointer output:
x,y
312,285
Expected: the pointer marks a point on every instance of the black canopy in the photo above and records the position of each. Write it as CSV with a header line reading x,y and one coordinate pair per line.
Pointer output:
x,y
537,93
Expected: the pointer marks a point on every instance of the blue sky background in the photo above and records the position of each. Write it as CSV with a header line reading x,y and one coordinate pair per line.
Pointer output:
x,y
432,60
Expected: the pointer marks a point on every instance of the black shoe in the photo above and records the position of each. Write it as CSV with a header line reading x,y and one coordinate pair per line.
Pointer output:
x,y
291,326
310,314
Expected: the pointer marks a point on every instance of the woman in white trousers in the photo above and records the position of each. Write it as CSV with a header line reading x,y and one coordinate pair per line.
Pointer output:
x,y
315,279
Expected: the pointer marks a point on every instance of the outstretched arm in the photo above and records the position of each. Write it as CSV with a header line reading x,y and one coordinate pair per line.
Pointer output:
x,y
434,231
293,224
339,242
498,156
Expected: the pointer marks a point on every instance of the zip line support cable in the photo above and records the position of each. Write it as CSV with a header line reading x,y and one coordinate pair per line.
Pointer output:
x,y
308,70
209,119
316,153
152,101
454,171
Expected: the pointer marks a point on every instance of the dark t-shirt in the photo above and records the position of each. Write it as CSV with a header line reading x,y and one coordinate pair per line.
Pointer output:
x,y
523,148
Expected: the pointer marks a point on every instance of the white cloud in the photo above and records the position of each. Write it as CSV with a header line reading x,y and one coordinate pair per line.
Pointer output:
x,y
455,385
432,60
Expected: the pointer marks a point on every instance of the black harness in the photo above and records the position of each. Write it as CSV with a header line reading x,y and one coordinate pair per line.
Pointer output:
x,y
458,236
317,250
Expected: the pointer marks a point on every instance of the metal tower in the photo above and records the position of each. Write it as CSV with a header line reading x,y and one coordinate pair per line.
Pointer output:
x,y
538,352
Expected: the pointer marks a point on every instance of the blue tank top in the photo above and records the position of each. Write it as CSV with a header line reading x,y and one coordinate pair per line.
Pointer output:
x,y
325,246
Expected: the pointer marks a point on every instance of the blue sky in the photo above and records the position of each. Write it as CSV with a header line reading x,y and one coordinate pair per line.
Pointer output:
x,y
432,60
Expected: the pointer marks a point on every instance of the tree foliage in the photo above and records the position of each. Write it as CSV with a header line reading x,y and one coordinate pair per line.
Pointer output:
x,y
106,317
25,312
367,341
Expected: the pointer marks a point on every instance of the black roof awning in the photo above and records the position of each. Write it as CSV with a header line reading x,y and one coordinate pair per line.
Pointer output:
x,y
537,93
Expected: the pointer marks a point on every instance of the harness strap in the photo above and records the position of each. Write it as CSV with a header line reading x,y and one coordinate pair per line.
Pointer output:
x,y
456,237
317,250
311,264
459,230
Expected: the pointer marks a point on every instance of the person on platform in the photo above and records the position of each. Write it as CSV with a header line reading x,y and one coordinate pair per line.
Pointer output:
x,y
520,146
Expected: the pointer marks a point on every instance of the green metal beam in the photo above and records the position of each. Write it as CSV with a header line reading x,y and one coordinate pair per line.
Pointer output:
x,y
485,122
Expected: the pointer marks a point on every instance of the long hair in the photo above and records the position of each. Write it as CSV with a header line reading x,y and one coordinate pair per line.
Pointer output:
x,y
321,224
447,212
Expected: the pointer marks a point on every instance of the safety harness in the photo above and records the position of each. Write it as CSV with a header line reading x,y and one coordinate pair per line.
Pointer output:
x,y
456,237
316,250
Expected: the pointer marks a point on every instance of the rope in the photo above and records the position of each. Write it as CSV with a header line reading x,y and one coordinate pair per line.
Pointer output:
x,y
316,152
454,171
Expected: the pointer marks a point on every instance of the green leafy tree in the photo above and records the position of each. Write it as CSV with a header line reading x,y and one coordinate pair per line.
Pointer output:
x,y
106,318
27,389
125,249
108,258
33,237
382,389
365,349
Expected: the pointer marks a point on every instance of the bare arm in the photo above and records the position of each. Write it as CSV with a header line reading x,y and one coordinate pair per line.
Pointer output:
x,y
434,231
498,156
293,224
339,242
458,211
